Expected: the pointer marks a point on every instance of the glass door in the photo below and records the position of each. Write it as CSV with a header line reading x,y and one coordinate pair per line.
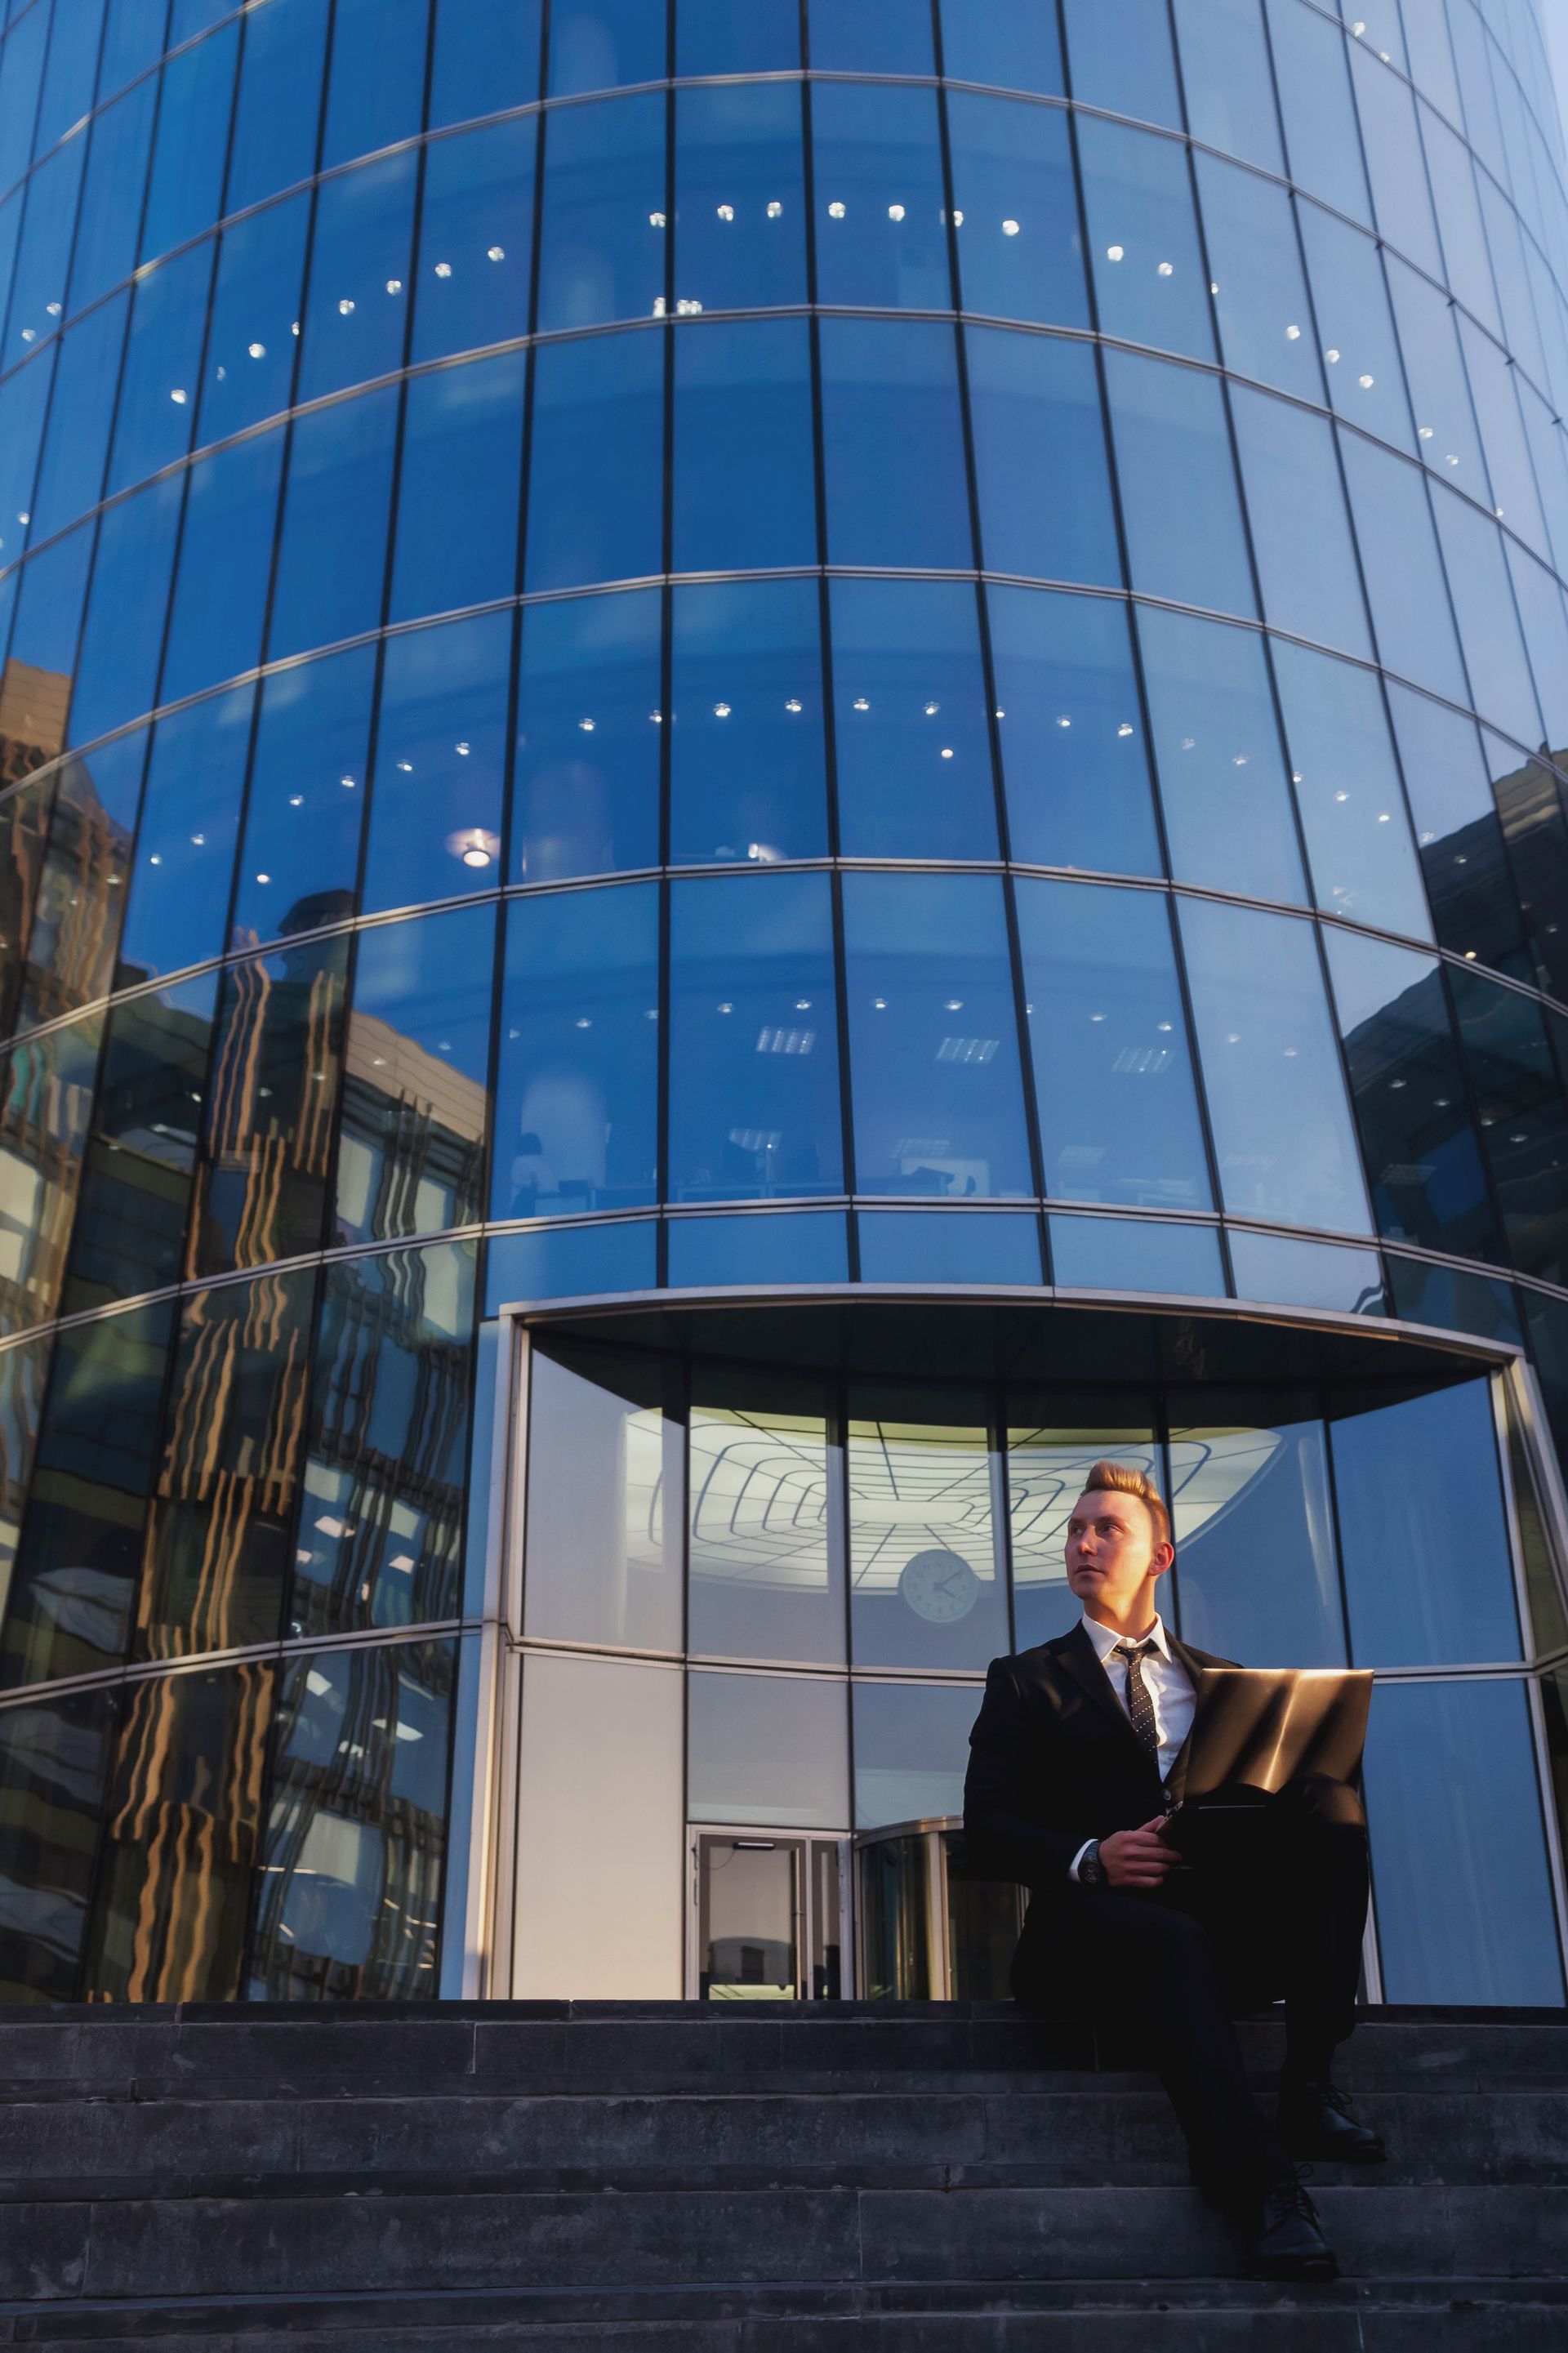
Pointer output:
x,y
768,1923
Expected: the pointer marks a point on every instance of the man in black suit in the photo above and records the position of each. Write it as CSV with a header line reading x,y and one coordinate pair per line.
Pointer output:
x,y
1076,1759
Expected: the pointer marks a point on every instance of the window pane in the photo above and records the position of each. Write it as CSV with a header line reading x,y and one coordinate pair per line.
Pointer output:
x,y
43,253
810,1246
1216,745
1300,533
595,508
331,563
162,360
184,848
1501,684
740,186
23,405
49,605
1254,1529
585,799
44,1113
1185,536
357,313
594,44
218,1533
225,560
925,1576
745,478
377,90
1450,1769
274,141
1271,1071
1524,1122
71,478
1144,1254
112,184
913,746
1008,42
575,1119
1421,1152
440,757
416,1090
1453,181
456,501
181,1832
1402,570
481,65
301,861
894,448
81,888
1321,138
249,364
746,753
1264,320
192,136
54,1764
382,1520
712,37
1020,253
602,253
1120,54
122,633
766,1558
881,229
870,37
80,1548
1031,395
933,1038
1224,73
353,1854
754,1080
1427,1293
475,235
1148,277
1394,160
1444,422
603,1551
1460,840
1529,802
1307,1274
1052,1446
1071,732
927,1246
1113,1075
141,1155
1360,356
911,1750
1348,792
766,1748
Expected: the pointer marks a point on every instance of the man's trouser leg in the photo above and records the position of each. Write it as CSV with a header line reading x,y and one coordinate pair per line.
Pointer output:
x,y
1143,1961
1321,1898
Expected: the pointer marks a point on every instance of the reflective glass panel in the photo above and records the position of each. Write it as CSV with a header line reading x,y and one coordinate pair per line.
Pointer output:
x,y
933,1038
476,237
1453,182
1421,1151
596,43
1225,77
1184,537
353,1852
250,362
1322,139
925,1246
913,744
740,189
81,888
376,92
1501,684
300,863
331,579
1144,1254
1392,146
810,1246
911,1750
585,795
893,445
595,508
1307,1274
746,753
1254,1529
926,1582
142,1148
745,480
111,188
1228,818
1149,275
55,1758
71,476
43,252
767,1749
881,228
122,631
1348,792
158,390
24,403
1039,457
46,1098
274,138
191,141
1428,1573
1360,356
765,1547
870,37
1271,1069
79,1551
226,561
1427,1293
481,63
1261,303
1457,835
1070,725
1530,806
49,603
1402,568
575,1122
184,846
1300,533
218,1531
712,36
1444,422
440,756
380,1524
1011,43
603,245
456,497
603,1548
1113,1075
753,1076
1119,53
356,316
1450,1766
1052,1443
1523,1119
415,1070
1019,247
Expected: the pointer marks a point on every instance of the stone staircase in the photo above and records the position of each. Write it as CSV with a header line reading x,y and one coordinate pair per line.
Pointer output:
x,y
724,2179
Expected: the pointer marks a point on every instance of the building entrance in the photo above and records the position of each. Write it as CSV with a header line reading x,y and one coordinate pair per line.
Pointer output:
x,y
769,1922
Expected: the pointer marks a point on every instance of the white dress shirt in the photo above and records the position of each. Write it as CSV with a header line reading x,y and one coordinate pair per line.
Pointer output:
x,y
1165,1680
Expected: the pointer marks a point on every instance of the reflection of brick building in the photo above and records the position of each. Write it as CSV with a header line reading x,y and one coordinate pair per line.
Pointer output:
x,y
33,705
412,1133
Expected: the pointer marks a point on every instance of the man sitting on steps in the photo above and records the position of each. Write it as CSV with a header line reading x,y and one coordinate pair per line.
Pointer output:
x,y
1067,1792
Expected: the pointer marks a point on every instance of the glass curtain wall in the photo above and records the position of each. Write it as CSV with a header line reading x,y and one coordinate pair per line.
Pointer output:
x,y
667,648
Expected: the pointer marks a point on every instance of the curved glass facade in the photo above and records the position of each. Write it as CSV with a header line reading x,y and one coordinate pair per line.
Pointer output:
x,y
657,649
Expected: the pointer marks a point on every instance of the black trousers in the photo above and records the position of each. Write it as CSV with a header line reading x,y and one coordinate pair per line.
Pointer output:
x,y
1274,1906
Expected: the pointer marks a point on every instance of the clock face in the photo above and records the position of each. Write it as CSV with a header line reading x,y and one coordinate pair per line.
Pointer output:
x,y
940,1586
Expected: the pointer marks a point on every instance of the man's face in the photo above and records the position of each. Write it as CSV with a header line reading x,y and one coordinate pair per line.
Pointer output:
x,y
1110,1548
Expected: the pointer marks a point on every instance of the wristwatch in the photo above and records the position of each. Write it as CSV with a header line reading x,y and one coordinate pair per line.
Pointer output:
x,y
1091,1870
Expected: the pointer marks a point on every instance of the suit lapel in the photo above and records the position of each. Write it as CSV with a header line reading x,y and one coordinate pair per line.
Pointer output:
x,y
1077,1655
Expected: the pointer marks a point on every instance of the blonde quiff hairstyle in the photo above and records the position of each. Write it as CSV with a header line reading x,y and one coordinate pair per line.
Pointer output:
x,y
1126,1479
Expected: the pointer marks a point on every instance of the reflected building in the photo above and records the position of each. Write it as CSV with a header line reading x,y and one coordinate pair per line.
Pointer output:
x,y
762,771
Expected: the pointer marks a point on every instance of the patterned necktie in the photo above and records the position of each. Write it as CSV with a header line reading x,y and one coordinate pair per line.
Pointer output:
x,y
1139,1706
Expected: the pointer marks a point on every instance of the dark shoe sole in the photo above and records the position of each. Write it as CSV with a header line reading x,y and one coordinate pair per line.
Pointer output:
x,y
1321,2268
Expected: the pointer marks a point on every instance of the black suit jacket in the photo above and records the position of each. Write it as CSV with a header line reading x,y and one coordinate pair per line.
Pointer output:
x,y
1054,1761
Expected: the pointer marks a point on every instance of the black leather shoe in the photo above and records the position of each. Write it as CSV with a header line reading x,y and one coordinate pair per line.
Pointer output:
x,y
1289,2245
1313,2122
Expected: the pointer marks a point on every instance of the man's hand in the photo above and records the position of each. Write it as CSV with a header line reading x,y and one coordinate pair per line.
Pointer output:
x,y
1137,1858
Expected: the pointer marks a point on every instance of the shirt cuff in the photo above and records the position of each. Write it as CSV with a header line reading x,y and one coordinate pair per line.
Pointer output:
x,y
1072,1867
